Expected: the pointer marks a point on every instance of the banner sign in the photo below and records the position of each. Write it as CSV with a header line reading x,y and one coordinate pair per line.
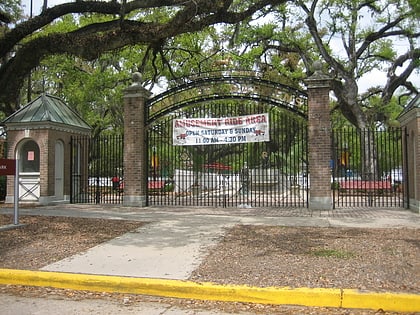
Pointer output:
x,y
227,130
7,167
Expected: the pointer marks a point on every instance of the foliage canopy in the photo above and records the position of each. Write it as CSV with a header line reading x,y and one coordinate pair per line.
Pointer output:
x,y
84,50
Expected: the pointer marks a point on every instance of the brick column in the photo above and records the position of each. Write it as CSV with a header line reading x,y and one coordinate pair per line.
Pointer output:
x,y
319,139
135,144
410,121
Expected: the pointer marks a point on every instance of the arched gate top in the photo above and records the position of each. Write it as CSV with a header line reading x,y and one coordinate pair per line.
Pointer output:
x,y
233,84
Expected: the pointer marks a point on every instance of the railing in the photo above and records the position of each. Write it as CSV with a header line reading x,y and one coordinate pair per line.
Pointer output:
x,y
367,168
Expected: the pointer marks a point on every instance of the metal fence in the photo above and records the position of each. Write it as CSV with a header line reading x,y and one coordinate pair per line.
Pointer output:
x,y
97,169
259,174
368,168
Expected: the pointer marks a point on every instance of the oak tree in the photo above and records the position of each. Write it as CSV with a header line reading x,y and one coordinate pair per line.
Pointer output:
x,y
24,45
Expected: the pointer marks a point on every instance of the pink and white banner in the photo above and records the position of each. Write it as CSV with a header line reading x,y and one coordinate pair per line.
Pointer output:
x,y
227,130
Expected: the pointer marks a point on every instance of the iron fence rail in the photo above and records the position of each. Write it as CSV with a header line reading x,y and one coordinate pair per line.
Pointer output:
x,y
367,168
97,169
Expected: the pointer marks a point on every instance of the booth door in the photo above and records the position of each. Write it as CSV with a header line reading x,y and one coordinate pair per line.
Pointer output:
x,y
59,170
29,176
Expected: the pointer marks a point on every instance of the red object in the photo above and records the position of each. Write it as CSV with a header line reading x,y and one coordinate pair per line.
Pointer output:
x,y
7,167
365,184
218,166
156,184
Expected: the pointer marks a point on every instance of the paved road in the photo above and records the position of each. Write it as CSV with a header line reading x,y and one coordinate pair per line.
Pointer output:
x,y
13,305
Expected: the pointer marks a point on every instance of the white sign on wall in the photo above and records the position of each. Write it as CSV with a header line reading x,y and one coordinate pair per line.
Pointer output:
x,y
226,130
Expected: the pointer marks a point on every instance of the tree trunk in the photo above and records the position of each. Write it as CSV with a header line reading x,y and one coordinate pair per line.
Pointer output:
x,y
368,155
347,99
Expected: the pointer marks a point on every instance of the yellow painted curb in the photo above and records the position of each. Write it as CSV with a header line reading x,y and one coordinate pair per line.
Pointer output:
x,y
399,302
209,291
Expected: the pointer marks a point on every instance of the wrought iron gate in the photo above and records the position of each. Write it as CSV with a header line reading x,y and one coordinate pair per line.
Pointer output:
x,y
97,169
264,174
260,174
368,168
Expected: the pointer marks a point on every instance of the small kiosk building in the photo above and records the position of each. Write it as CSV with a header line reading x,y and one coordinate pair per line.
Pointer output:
x,y
39,136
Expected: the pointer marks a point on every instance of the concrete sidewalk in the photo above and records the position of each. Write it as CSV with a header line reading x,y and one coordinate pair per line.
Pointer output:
x,y
176,240
173,244
167,248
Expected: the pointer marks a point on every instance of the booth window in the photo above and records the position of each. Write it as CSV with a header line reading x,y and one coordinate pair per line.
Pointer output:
x,y
29,157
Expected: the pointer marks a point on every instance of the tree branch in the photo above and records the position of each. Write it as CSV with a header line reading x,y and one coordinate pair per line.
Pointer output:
x,y
14,36
91,41
382,33
395,81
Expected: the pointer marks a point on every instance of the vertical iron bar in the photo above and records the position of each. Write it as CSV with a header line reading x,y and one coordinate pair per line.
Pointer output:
x,y
405,184
71,169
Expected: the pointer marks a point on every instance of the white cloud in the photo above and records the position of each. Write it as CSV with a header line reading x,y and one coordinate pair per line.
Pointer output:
x,y
374,78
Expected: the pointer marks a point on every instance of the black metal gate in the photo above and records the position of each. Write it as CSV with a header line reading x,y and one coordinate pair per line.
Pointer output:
x,y
368,168
259,174
97,169
272,173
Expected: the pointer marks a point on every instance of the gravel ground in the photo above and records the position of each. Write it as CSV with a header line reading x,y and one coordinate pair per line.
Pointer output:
x,y
368,259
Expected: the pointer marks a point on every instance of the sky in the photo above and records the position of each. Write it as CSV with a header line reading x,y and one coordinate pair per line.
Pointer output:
x,y
37,4
375,78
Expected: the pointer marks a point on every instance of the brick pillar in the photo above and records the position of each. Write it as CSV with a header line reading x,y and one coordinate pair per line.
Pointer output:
x,y
410,121
135,144
319,139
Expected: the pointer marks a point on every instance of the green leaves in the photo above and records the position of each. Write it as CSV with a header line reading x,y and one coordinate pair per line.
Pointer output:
x,y
168,43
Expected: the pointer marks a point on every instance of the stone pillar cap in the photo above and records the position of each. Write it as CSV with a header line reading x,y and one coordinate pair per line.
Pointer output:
x,y
137,78
318,79
136,88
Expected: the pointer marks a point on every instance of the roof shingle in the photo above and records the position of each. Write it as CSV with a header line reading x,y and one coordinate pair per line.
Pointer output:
x,y
47,108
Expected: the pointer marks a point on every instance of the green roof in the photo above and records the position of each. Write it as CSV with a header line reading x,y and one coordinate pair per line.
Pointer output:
x,y
47,108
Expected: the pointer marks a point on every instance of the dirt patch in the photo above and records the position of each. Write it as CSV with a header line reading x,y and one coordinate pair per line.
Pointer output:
x,y
369,259
366,259
44,240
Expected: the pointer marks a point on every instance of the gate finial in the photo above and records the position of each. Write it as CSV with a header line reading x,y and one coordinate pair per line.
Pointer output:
x,y
136,77
318,79
318,72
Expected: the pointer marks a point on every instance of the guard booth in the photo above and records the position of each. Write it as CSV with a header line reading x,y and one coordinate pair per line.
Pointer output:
x,y
39,136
